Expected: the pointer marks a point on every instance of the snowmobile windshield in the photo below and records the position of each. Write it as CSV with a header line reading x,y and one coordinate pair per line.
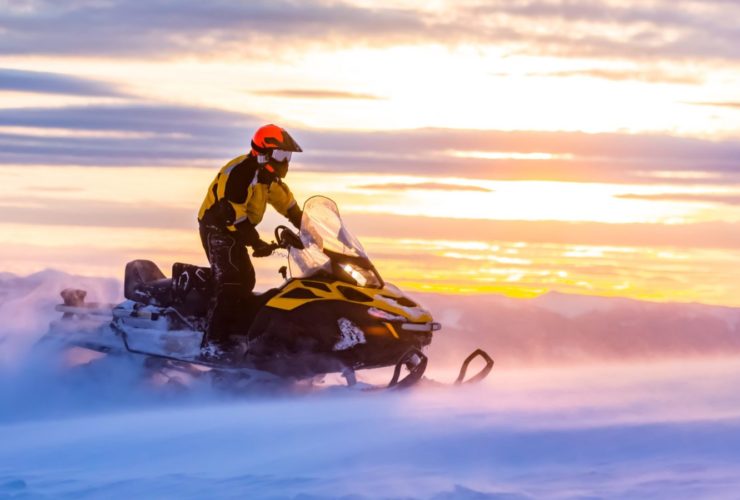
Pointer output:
x,y
331,247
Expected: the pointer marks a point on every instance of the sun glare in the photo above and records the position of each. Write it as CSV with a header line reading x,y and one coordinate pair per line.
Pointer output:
x,y
124,202
503,155
404,86
522,200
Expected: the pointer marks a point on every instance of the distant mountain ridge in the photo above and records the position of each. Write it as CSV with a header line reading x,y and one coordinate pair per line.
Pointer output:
x,y
559,328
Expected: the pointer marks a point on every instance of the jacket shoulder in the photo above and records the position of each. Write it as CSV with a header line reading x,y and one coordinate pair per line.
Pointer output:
x,y
234,162
239,173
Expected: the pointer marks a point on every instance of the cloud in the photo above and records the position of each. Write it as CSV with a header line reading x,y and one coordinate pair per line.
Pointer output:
x,y
49,211
315,94
644,75
634,30
53,83
149,135
725,199
732,105
719,235
580,157
161,28
152,134
426,186
59,189
128,117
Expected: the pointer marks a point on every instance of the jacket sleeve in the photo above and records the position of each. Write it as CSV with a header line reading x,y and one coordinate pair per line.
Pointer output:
x,y
281,198
234,194
245,231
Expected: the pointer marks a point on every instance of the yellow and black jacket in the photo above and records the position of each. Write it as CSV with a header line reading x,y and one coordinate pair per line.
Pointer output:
x,y
237,198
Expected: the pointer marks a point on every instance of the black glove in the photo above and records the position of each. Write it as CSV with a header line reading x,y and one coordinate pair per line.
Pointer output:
x,y
262,249
248,234
226,212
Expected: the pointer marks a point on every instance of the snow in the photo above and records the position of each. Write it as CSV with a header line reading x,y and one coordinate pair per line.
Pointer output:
x,y
27,306
415,313
663,428
351,335
531,439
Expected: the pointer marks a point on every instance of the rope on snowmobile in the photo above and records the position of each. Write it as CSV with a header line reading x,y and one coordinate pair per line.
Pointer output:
x,y
481,374
416,362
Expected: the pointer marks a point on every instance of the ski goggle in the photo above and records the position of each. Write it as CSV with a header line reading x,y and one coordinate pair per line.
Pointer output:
x,y
280,155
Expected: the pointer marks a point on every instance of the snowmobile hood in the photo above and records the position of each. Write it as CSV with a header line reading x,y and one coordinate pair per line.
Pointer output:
x,y
390,299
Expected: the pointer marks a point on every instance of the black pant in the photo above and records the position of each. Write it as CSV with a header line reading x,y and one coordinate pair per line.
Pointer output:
x,y
233,281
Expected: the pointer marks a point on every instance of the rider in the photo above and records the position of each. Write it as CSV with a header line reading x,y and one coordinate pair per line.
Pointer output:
x,y
234,205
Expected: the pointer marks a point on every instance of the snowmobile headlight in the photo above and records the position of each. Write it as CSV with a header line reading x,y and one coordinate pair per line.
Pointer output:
x,y
363,277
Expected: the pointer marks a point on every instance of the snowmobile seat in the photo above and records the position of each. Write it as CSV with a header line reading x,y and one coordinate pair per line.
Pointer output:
x,y
191,288
144,282
156,293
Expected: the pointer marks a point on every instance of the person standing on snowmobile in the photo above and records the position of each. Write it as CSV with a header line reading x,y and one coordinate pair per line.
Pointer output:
x,y
235,203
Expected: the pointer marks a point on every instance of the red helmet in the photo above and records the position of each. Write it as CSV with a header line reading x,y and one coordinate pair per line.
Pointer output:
x,y
270,137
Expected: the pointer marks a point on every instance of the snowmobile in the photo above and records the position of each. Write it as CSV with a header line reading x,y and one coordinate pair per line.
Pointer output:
x,y
332,314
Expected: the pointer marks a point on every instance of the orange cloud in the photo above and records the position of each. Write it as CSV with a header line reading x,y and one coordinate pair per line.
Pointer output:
x,y
426,186
719,235
725,199
726,104
651,75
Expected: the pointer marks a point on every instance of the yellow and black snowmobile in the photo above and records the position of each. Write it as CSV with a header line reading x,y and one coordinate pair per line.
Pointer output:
x,y
332,313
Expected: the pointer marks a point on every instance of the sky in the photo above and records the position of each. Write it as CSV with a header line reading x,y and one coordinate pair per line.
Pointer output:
x,y
514,147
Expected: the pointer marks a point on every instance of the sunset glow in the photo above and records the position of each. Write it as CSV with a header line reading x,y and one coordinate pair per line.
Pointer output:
x,y
515,147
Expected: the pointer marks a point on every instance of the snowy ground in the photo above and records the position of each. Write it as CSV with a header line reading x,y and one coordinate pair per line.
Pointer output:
x,y
657,429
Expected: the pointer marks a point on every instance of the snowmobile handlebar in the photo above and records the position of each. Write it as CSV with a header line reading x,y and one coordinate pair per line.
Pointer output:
x,y
286,239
